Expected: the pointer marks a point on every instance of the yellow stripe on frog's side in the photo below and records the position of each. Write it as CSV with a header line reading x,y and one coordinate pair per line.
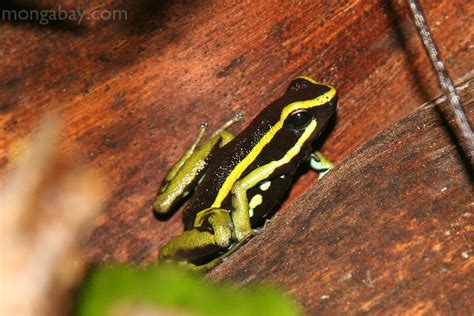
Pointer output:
x,y
266,139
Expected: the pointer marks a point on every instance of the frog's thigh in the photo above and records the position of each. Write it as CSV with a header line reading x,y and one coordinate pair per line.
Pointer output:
x,y
240,203
183,176
186,178
199,242
320,163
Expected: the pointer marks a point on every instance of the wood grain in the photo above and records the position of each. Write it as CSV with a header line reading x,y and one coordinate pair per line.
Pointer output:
x,y
133,92
389,231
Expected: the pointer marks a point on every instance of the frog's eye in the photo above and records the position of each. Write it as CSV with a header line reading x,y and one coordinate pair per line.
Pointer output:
x,y
300,118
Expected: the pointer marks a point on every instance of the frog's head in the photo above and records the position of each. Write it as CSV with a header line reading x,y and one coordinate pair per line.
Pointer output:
x,y
309,107
292,122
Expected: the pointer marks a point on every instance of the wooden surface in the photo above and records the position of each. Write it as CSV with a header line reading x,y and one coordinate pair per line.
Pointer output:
x,y
133,92
396,241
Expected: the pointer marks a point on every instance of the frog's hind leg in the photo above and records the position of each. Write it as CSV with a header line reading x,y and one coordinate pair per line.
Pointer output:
x,y
320,163
176,184
185,174
212,235
238,117
180,163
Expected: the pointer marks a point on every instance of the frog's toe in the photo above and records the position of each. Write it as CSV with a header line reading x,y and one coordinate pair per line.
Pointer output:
x,y
239,116
256,231
223,236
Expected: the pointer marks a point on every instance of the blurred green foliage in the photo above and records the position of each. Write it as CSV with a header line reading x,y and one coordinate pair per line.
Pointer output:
x,y
170,288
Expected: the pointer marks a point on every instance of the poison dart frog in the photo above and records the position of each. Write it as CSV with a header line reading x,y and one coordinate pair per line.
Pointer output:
x,y
236,181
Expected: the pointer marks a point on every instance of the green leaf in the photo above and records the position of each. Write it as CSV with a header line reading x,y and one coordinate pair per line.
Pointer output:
x,y
168,288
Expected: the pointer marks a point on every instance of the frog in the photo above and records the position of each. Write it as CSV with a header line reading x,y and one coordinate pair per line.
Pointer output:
x,y
232,184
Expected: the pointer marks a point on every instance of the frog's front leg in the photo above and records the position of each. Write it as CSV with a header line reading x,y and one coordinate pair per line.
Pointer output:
x,y
240,203
320,163
212,233
184,175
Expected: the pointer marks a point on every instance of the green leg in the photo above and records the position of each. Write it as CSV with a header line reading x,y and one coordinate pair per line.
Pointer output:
x,y
238,117
240,203
178,165
199,242
320,163
184,175
213,263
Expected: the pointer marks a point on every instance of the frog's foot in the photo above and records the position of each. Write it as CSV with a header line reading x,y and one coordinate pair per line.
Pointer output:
x,y
257,231
211,264
222,258
215,262
320,163
211,236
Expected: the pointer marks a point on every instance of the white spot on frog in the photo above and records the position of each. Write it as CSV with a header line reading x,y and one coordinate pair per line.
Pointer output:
x,y
265,185
256,200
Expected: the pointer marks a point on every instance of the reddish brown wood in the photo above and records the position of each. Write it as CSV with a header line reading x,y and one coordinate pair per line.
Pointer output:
x,y
132,93
389,231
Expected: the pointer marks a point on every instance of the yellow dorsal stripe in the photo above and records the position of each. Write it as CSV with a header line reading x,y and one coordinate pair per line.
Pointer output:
x,y
266,170
241,166
266,139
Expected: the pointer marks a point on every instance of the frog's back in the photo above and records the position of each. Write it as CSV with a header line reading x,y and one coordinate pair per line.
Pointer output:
x,y
224,160
266,139
221,163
